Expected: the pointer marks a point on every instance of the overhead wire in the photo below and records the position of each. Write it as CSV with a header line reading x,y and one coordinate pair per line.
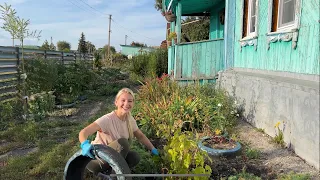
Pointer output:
x,y
76,5
104,14
94,8
131,30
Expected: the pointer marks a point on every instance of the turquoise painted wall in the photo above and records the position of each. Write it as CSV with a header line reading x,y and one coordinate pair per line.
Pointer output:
x,y
201,60
127,50
281,57
216,28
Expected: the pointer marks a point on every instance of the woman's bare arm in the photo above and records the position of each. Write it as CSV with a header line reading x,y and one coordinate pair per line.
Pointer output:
x,y
87,131
143,139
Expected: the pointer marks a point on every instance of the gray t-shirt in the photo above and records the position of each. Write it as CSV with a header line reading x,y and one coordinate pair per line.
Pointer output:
x,y
113,128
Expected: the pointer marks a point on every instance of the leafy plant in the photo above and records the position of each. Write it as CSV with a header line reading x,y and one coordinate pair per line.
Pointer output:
x,y
252,153
278,139
172,35
40,104
182,156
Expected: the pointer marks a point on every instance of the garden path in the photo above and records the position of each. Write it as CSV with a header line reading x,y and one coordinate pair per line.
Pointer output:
x,y
278,160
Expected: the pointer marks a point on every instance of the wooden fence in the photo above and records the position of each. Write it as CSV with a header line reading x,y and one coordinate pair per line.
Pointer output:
x,y
10,60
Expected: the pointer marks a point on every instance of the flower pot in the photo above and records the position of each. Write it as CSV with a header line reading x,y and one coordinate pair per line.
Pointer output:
x,y
219,152
170,17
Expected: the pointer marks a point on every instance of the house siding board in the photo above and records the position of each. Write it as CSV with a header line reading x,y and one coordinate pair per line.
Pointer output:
x,y
216,28
199,60
281,56
170,59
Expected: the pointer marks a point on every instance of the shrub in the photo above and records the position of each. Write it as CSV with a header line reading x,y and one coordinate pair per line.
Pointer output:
x,y
152,64
40,104
41,75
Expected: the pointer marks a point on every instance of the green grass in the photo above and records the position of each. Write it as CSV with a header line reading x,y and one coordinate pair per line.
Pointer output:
x,y
294,176
56,140
252,153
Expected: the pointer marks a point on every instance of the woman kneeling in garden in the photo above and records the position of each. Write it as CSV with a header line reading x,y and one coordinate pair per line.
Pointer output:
x,y
115,129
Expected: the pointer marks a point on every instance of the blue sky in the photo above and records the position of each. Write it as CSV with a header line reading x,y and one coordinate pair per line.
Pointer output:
x,y
66,19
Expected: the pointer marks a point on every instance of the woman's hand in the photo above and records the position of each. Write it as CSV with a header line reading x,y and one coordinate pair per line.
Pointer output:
x,y
155,152
86,149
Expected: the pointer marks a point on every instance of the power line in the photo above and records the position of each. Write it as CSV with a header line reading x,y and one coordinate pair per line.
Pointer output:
x,y
131,30
94,8
78,6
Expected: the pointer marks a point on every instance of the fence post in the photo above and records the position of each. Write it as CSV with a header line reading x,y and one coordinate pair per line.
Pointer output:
x,y
45,54
62,59
17,56
75,57
17,52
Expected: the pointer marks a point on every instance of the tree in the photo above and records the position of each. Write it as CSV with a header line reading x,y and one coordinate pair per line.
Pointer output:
x,y
63,46
45,46
8,16
18,28
82,46
158,5
137,44
113,49
196,31
91,48
52,47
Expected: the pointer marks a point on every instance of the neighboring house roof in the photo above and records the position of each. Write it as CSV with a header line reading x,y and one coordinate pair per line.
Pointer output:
x,y
134,50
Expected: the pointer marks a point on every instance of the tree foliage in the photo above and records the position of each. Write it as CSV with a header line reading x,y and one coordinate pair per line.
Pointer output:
x,y
52,47
91,48
196,31
137,44
158,5
45,45
63,46
82,46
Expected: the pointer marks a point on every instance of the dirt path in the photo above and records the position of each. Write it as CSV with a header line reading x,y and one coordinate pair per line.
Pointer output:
x,y
275,159
82,112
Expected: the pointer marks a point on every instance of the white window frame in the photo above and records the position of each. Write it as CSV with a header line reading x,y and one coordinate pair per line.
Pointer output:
x,y
251,34
289,28
280,15
254,34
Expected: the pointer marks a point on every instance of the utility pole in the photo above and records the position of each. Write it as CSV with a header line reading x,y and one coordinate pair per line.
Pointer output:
x,y
125,42
109,55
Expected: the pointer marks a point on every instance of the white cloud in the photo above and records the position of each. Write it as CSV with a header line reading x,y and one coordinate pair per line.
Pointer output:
x,y
136,18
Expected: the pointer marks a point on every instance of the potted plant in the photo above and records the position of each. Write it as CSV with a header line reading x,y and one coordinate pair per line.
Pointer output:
x,y
219,144
172,35
170,17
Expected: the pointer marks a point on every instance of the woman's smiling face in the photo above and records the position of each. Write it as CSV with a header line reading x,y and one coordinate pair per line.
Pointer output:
x,y
124,103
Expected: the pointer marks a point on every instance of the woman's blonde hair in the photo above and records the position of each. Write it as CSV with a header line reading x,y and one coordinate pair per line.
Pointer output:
x,y
128,116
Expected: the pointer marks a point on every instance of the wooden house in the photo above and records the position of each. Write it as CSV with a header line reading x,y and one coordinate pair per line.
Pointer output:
x,y
263,52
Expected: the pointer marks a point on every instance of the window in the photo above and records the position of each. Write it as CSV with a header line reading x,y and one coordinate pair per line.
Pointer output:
x,y
249,18
283,14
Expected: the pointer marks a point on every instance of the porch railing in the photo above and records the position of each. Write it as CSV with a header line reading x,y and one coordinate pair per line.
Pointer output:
x,y
197,60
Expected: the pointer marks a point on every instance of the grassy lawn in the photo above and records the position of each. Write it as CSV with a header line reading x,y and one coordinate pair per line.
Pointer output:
x,y
56,141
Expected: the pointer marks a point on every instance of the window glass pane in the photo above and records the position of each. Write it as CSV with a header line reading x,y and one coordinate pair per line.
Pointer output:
x,y
288,12
253,16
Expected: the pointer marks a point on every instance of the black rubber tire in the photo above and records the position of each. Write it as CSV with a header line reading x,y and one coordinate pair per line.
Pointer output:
x,y
76,165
